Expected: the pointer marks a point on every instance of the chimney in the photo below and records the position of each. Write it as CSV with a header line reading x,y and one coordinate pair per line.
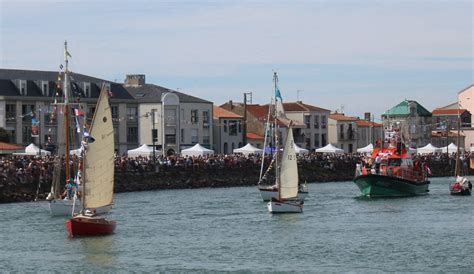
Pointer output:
x,y
135,80
367,116
231,105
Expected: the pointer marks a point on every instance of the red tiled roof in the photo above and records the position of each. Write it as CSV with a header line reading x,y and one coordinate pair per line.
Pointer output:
x,y
341,117
7,146
365,123
441,111
254,136
258,111
300,106
219,112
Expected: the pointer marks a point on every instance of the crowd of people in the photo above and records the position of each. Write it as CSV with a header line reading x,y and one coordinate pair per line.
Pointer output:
x,y
27,169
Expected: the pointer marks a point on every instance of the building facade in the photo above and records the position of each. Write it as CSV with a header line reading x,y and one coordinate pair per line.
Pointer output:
x,y
227,130
342,132
179,120
309,122
368,132
413,121
24,93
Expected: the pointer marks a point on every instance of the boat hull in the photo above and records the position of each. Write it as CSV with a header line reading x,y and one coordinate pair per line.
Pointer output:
x,y
270,192
374,185
462,191
285,206
64,207
89,226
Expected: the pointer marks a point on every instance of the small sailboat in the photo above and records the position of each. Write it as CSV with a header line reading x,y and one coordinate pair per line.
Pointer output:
x,y
287,181
462,185
98,177
275,114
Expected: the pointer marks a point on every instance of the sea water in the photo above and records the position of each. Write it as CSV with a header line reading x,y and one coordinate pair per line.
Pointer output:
x,y
230,229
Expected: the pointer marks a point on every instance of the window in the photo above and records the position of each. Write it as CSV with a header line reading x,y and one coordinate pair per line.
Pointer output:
x,y
323,140
225,148
87,90
194,136
316,121
233,147
307,121
132,113
26,111
233,128
45,89
26,134
205,119
114,110
170,139
350,148
240,127
182,135
308,142
316,140
225,125
194,116
132,134
10,112
342,146
206,140
323,121
23,88
341,131
170,117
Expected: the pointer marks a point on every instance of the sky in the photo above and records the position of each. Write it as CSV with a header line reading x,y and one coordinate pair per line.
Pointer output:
x,y
349,56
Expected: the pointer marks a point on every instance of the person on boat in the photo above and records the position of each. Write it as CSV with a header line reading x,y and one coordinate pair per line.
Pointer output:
x,y
378,161
71,187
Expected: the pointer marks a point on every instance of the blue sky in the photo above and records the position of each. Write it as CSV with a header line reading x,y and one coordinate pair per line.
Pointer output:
x,y
356,55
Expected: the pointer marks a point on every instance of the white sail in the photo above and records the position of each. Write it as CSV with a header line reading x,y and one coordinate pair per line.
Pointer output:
x,y
99,157
289,169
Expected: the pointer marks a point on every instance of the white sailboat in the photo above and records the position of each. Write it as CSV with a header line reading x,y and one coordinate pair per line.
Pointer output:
x,y
59,206
275,112
287,181
98,184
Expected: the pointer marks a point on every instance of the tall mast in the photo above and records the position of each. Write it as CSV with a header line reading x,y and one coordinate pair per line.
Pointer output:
x,y
66,109
458,160
275,128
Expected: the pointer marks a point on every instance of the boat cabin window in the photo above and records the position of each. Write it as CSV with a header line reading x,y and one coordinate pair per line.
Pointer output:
x,y
394,162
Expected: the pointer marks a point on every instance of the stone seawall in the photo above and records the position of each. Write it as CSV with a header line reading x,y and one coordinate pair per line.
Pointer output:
x,y
180,178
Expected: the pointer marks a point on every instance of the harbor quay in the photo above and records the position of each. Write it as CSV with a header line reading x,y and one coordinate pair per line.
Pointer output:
x,y
32,182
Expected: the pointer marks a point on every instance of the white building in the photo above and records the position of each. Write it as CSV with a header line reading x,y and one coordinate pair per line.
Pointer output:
x,y
180,120
228,131
342,131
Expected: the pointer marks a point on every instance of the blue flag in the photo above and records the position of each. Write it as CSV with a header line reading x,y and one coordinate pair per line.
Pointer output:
x,y
277,93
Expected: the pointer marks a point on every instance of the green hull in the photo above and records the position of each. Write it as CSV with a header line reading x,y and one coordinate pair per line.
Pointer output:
x,y
373,185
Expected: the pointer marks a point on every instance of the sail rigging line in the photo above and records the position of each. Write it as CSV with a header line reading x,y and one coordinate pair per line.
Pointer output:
x,y
267,126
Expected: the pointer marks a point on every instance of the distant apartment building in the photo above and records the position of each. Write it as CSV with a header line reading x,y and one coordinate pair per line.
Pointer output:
x,y
342,131
23,92
180,120
413,121
309,128
227,130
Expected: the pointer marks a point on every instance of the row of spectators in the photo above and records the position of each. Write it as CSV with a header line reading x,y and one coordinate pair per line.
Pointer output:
x,y
24,169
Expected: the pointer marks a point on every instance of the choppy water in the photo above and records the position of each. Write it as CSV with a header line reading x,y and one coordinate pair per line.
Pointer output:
x,y
229,229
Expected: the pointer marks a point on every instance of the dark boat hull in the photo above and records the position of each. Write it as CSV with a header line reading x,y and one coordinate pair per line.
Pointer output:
x,y
89,226
373,185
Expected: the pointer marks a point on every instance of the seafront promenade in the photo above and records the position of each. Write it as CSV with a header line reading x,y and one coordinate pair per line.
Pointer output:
x,y
21,176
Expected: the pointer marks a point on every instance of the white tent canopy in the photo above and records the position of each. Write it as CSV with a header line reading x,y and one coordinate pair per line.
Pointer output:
x,y
300,150
196,150
248,149
143,150
330,149
367,149
32,149
429,148
451,148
